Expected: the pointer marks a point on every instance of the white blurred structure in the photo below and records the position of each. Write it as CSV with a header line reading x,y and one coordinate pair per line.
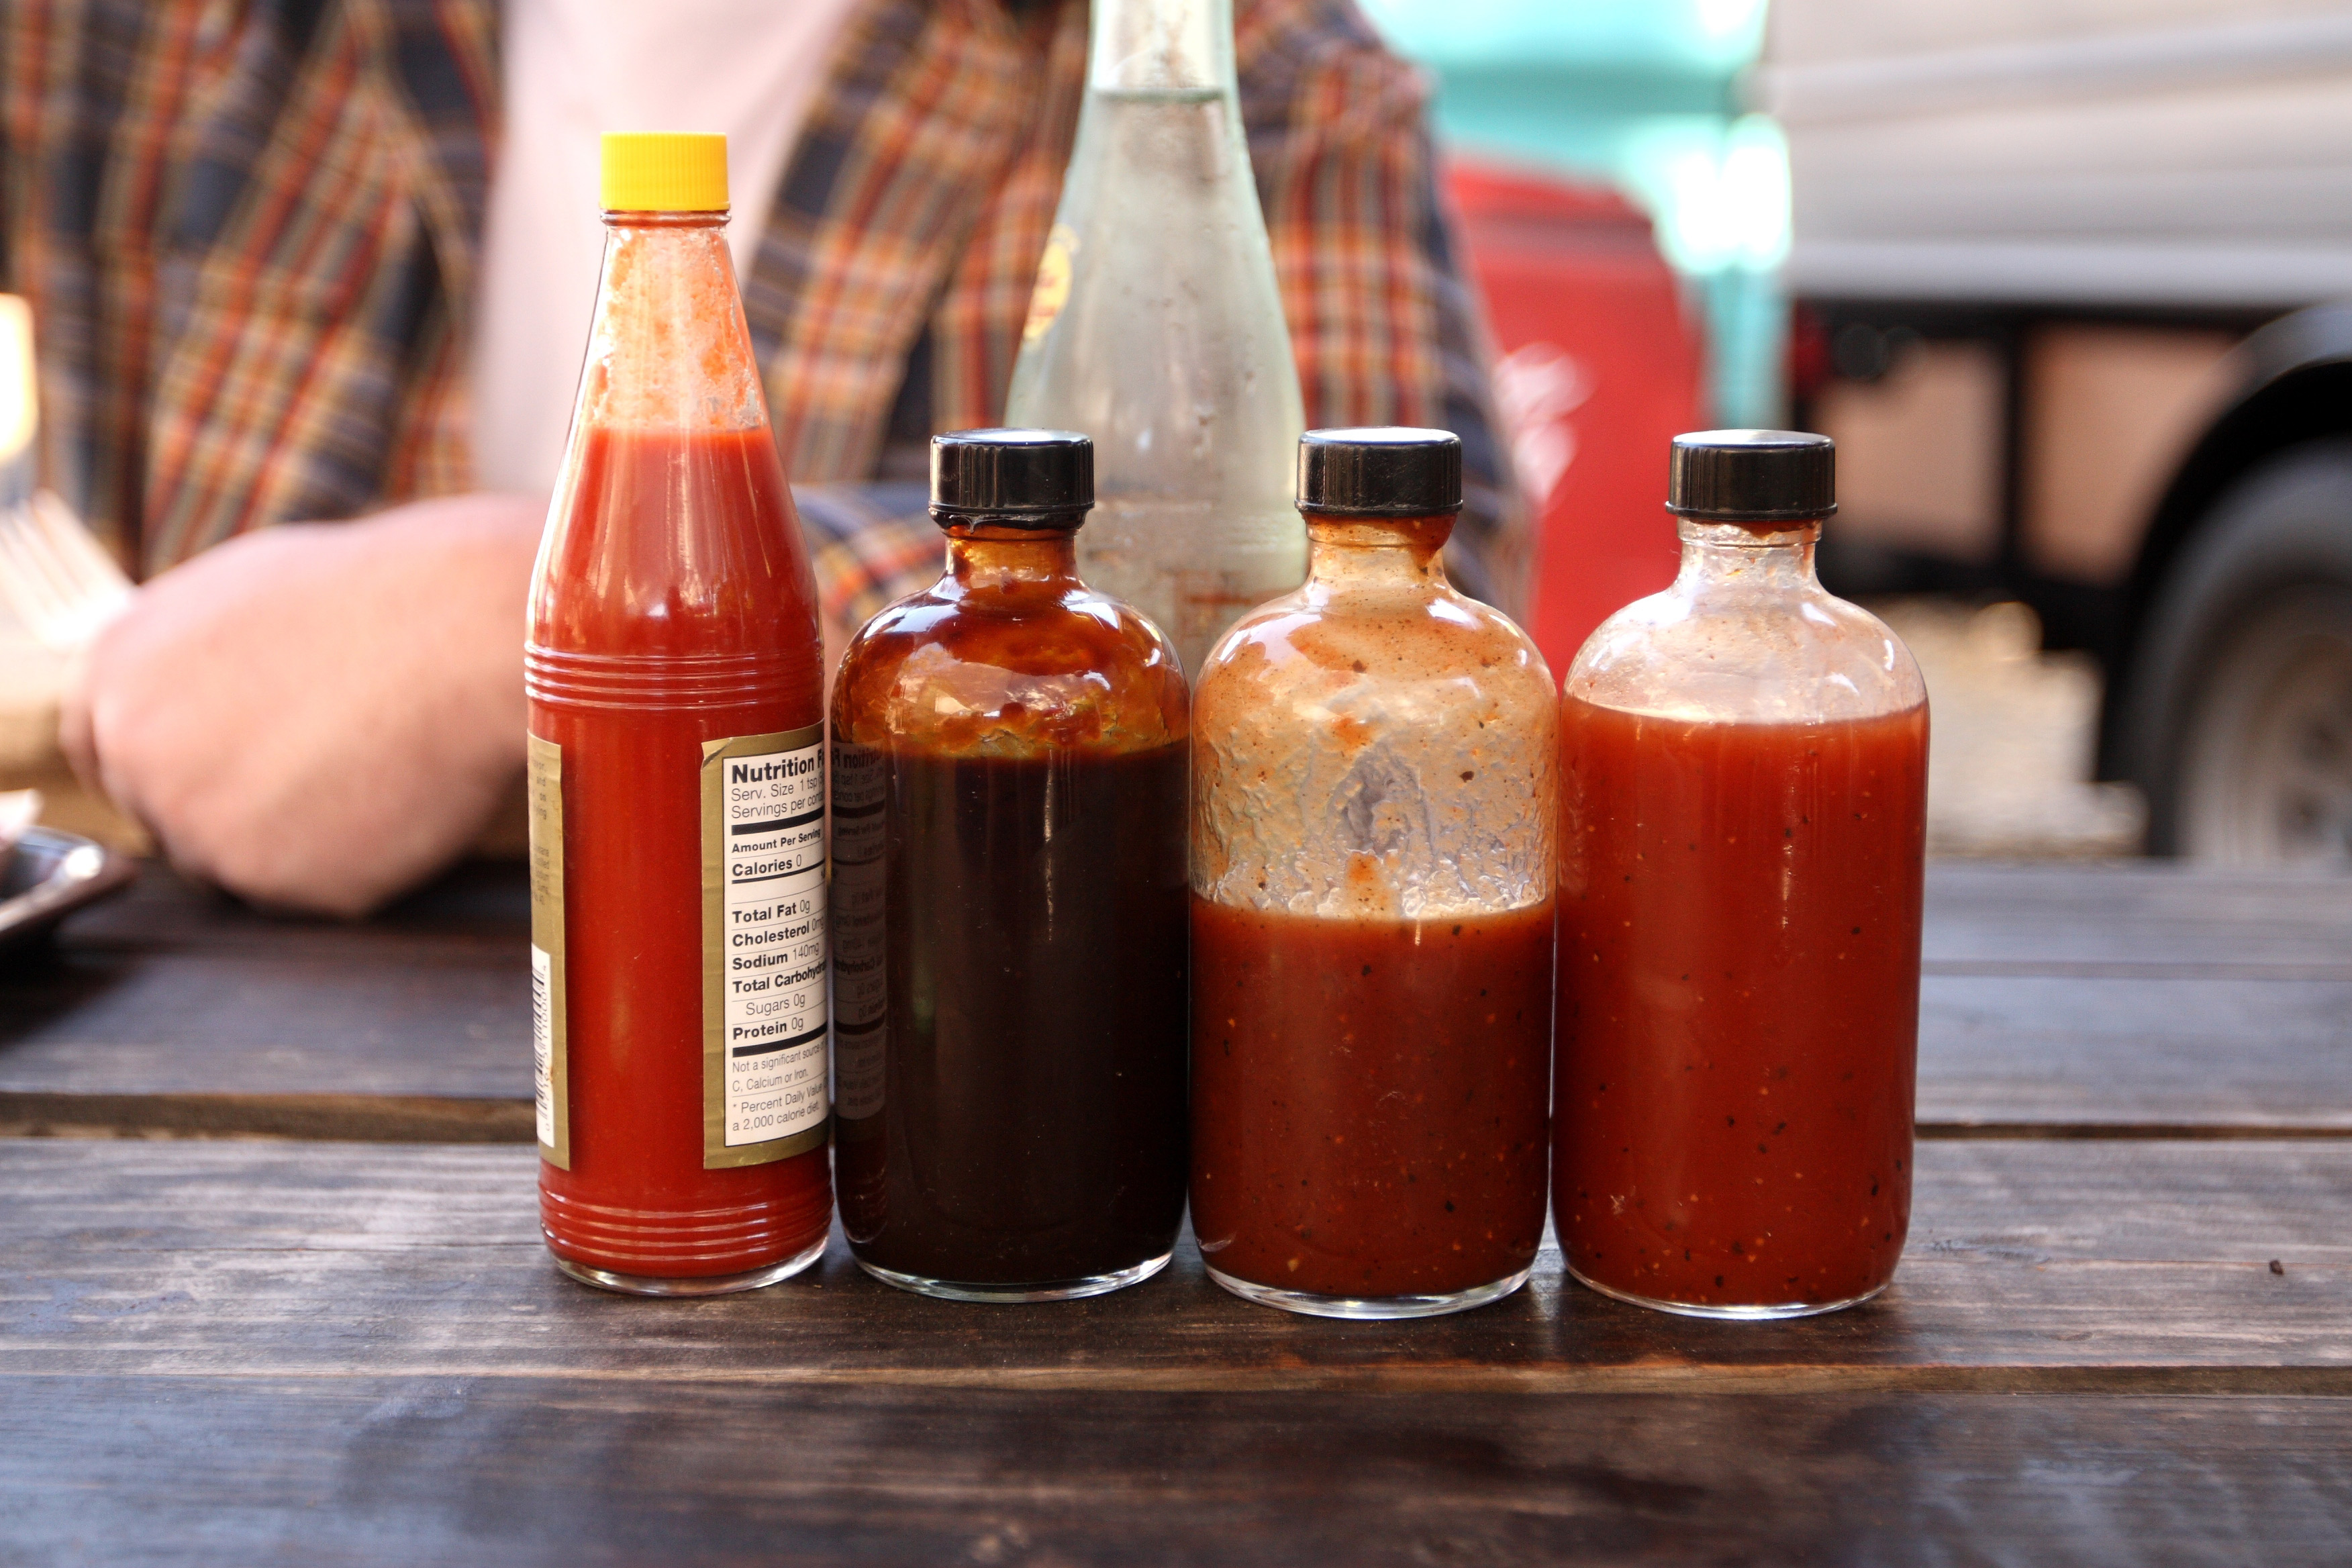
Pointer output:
x,y
58,584
2190,152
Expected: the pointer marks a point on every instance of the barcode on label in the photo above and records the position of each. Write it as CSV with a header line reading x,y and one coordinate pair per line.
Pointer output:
x,y
542,1044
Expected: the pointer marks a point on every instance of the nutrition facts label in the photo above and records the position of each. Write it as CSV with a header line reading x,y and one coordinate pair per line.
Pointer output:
x,y
763,869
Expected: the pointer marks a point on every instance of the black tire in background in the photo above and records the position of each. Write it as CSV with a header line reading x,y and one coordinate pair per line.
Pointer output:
x,y
2237,715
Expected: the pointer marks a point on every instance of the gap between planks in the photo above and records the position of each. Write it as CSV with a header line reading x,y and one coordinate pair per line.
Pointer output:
x,y
2138,1379
427,1119
2122,969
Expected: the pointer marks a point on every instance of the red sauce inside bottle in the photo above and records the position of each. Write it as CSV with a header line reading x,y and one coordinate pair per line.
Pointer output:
x,y
1739,1003
681,609
1369,1097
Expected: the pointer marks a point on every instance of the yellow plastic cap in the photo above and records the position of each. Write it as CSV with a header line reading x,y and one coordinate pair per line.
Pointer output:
x,y
664,172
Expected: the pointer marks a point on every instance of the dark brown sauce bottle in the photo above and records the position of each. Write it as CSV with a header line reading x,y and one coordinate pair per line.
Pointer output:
x,y
1009,757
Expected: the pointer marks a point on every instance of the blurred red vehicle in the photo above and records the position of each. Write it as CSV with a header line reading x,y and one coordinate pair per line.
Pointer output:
x,y
1598,371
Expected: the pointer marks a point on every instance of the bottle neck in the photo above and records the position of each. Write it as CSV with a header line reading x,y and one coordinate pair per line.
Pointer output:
x,y
1161,47
998,558
668,347
1377,551
1768,557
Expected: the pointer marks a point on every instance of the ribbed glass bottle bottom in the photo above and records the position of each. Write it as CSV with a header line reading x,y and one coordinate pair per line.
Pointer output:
x,y
1313,1305
672,1248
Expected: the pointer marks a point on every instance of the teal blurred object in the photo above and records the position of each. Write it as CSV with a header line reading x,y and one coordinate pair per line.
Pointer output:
x,y
1643,95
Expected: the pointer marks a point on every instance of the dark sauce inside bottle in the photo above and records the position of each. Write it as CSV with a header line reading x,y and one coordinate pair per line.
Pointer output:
x,y
1010,779
1035,1020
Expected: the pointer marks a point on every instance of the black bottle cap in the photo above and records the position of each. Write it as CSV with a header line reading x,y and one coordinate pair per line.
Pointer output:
x,y
1033,478
1389,470
1752,475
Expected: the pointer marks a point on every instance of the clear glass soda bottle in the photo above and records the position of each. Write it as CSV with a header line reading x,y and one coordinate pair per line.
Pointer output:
x,y
1372,865
1743,821
1156,328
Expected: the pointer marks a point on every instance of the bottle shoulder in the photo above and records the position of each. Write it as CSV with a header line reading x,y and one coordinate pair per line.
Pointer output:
x,y
1375,756
1014,674
683,542
1732,657
1434,655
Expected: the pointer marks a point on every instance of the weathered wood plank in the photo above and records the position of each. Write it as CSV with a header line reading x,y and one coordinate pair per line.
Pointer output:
x,y
2136,916
2177,1053
452,1043
172,991
2139,1266
175,1012
369,1470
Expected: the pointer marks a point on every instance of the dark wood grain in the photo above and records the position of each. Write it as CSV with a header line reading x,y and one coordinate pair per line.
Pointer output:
x,y
2166,1054
2101,1348
2033,1267
178,1013
2133,918
172,992
543,1470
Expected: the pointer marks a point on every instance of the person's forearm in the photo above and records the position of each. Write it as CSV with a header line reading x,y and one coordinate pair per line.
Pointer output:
x,y
319,717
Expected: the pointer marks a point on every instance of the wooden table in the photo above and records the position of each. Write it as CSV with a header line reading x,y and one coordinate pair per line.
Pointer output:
x,y
273,1290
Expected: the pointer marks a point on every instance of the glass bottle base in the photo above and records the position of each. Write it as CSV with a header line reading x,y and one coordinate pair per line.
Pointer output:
x,y
1057,1290
1740,1314
1370,1307
693,1284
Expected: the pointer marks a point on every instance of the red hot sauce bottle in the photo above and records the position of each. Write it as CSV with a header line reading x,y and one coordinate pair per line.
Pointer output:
x,y
1009,767
675,692
1743,824
1372,864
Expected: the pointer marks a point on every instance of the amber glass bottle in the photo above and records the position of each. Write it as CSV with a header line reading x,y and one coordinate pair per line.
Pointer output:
x,y
678,802
1743,806
1009,770
1372,797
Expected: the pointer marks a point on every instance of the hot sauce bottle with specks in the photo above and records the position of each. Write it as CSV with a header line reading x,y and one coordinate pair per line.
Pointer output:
x,y
1743,808
676,685
1372,816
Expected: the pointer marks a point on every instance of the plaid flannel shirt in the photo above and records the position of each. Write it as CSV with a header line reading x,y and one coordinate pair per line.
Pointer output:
x,y
248,230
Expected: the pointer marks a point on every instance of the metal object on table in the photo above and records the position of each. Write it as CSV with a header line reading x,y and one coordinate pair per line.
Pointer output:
x,y
46,874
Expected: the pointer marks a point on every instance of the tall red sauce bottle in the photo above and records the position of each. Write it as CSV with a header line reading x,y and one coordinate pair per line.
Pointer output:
x,y
676,683
1743,823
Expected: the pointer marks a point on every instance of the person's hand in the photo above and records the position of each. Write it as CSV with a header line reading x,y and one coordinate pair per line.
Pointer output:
x,y
318,716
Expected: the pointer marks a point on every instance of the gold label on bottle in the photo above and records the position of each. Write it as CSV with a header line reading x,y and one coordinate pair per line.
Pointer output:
x,y
543,784
763,947
1052,290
